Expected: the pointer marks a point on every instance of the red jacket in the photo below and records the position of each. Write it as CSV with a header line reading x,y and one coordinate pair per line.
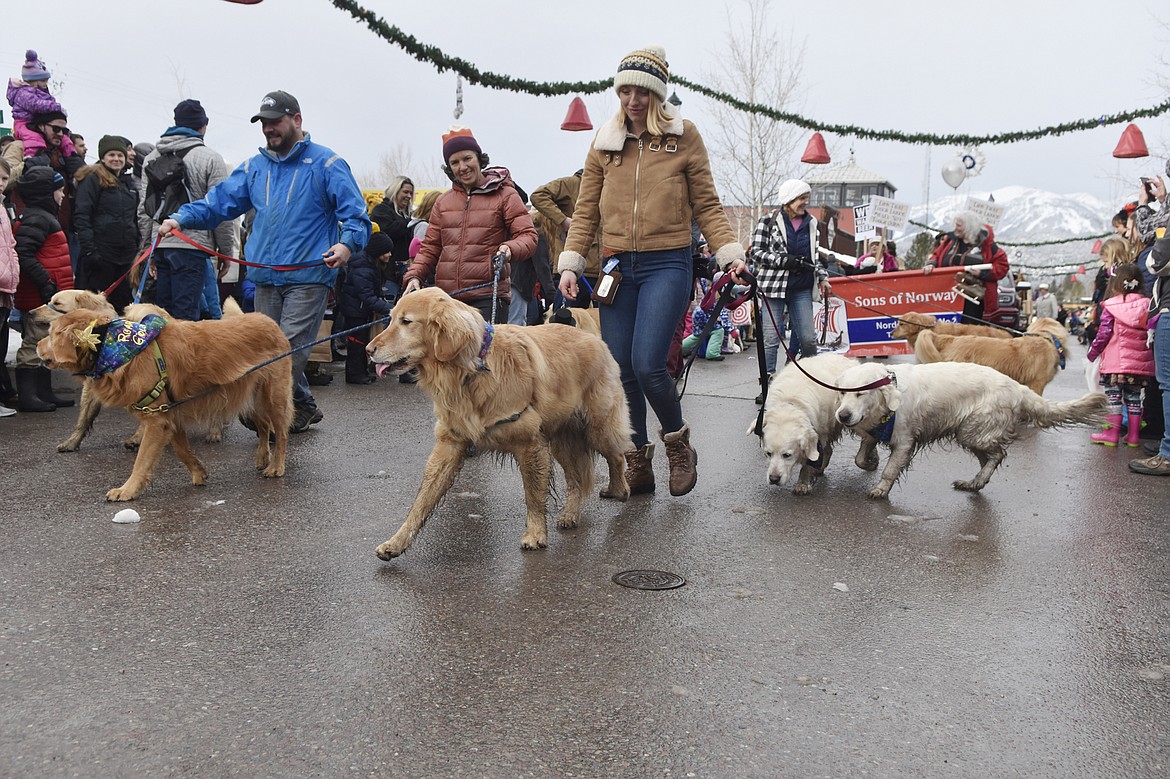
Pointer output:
x,y
465,231
948,254
43,252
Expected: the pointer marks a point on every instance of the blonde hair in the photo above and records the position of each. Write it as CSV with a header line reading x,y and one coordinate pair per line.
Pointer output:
x,y
1116,251
391,193
423,212
658,116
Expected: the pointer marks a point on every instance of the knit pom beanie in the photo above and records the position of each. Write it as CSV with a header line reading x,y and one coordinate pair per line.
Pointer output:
x,y
646,68
34,69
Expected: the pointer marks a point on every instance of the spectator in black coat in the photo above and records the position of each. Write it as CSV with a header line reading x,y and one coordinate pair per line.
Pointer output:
x,y
392,216
361,302
105,215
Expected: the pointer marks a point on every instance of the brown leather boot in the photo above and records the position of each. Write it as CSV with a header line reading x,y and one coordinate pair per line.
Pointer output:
x,y
682,459
639,470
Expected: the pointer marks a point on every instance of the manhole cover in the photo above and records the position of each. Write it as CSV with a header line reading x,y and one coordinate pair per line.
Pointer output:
x,y
649,580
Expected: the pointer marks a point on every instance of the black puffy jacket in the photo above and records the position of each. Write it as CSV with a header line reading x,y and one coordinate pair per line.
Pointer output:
x,y
106,220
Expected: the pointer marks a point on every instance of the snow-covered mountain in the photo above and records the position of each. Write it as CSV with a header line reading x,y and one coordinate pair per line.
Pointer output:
x,y
1029,215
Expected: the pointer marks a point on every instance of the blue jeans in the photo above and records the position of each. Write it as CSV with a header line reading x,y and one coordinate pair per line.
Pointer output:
x,y
800,318
1162,368
209,300
299,310
518,309
638,328
181,276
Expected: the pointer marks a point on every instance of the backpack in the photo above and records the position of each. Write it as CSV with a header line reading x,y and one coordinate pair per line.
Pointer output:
x,y
166,184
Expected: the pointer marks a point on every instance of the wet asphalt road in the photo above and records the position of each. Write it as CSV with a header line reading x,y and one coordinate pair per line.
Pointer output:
x,y
245,628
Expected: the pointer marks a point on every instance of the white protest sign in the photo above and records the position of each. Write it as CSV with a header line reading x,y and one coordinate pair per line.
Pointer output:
x,y
861,225
988,213
887,213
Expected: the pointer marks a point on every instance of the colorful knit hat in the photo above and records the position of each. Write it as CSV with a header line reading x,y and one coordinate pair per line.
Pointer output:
x,y
34,69
459,139
646,68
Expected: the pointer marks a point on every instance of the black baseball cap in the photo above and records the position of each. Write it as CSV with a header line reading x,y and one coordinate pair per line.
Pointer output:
x,y
277,104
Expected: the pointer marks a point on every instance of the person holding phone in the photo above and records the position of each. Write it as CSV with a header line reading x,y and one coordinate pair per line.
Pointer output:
x,y
1152,214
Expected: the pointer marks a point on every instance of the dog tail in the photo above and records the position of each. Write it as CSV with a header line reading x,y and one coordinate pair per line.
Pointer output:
x,y
926,350
1088,410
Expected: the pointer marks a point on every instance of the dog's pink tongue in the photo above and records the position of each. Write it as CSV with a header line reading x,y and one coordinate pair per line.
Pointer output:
x,y
381,369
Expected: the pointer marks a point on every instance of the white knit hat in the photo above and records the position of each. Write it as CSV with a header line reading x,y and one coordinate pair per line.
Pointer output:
x,y
646,68
790,190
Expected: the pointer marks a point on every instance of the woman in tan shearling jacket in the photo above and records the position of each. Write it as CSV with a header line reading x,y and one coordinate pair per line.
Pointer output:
x,y
646,176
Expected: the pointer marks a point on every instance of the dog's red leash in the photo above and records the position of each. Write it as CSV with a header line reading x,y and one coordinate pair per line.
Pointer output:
x,y
186,239
130,270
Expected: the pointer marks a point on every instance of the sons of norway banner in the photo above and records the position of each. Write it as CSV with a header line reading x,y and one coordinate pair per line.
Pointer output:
x,y
858,318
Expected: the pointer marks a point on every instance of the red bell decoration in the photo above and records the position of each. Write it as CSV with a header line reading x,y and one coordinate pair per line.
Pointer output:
x,y
577,118
1096,247
244,2
1132,144
1081,269
816,153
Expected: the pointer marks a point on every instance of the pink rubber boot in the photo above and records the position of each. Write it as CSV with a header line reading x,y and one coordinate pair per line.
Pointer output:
x,y
1110,434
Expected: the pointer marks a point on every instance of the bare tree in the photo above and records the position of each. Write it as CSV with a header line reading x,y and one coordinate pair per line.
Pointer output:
x,y
753,154
400,161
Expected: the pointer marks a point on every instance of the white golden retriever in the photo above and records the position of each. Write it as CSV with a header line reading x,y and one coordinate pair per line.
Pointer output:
x,y
800,422
977,407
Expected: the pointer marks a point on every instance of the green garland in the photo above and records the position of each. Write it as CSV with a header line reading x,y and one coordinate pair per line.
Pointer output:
x,y
1055,242
473,75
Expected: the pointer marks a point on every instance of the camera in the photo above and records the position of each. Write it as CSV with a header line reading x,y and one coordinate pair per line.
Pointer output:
x,y
1148,185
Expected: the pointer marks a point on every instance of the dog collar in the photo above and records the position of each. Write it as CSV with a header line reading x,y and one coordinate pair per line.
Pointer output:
x,y
123,341
885,428
489,333
1059,350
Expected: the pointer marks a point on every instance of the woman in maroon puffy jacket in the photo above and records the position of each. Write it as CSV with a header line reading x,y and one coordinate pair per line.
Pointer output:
x,y
481,216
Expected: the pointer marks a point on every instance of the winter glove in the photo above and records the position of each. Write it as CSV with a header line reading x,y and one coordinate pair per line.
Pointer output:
x,y
48,289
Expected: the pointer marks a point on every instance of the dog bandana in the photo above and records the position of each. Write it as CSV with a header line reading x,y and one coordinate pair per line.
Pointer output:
x,y
885,428
124,340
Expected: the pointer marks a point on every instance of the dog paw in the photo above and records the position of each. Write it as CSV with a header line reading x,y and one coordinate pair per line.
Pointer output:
x,y
387,551
68,446
879,492
966,486
529,542
214,436
274,471
567,521
801,489
130,444
613,493
867,463
119,494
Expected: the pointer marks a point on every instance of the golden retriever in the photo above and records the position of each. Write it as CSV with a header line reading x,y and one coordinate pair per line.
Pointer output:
x,y
207,366
1031,359
801,425
72,299
978,408
526,391
585,318
912,323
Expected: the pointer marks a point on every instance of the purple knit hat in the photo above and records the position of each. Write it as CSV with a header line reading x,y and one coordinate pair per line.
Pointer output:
x,y
459,139
34,69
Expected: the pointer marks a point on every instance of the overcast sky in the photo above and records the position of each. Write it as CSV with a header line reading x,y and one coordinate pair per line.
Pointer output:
x,y
916,65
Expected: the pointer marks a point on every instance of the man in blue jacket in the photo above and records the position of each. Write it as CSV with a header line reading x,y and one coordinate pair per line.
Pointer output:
x,y
310,214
